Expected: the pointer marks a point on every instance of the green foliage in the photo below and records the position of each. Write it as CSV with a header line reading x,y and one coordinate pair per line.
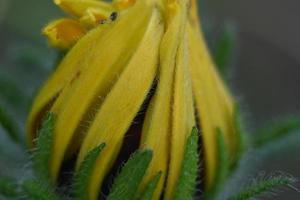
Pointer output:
x,y
187,181
222,166
42,153
150,188
259,187
241,137
36,190
33,189
12,94
126,184
223,159
224,48
8,187
276,131
82,177
10,126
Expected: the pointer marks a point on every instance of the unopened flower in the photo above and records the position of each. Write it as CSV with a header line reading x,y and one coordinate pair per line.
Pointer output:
x,y
117,53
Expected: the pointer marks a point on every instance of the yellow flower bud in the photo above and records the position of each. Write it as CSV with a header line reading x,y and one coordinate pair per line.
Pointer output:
x,y
120,51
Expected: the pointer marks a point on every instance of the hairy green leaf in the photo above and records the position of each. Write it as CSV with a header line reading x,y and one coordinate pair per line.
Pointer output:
x,y
187,181
223,159
36,190
126,184
276,131
150,188
82,177
259,187
241,137
223,165
42,153
8,188
224,48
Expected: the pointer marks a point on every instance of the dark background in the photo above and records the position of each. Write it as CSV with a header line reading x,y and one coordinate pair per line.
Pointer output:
x,y
265,75
267,70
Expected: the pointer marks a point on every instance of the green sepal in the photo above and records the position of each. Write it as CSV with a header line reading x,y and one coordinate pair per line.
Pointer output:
x,y
223,165
37,190
259,187
126,184
187,182
8,187
241,137
82,177
276,131
150,188
42,153
223,51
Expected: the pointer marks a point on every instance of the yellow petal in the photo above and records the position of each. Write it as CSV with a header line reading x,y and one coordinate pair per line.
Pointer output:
x,y
123,103
100,69
93,17
193,15
123,4
67,71
157,127
213,103
78,8
183,119
63,33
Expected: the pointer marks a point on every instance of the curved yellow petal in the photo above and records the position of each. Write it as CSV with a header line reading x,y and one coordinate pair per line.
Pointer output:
x,y
123,103
63,33
213,103
123,4
67,71
157,127
100,69
183,119
79,8
93,17
183,113
193,15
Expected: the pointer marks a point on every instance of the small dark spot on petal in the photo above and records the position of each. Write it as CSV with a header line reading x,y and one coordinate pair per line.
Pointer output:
x,y
113,16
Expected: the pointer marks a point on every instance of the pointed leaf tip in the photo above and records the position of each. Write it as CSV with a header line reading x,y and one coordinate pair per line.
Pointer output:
x,y
225,48
82,177
222,165
42,153
260,187
276,131
36,190
187,182
150,188
241,137
126,184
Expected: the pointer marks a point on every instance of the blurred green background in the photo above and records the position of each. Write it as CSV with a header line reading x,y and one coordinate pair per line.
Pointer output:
x,y
264,76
